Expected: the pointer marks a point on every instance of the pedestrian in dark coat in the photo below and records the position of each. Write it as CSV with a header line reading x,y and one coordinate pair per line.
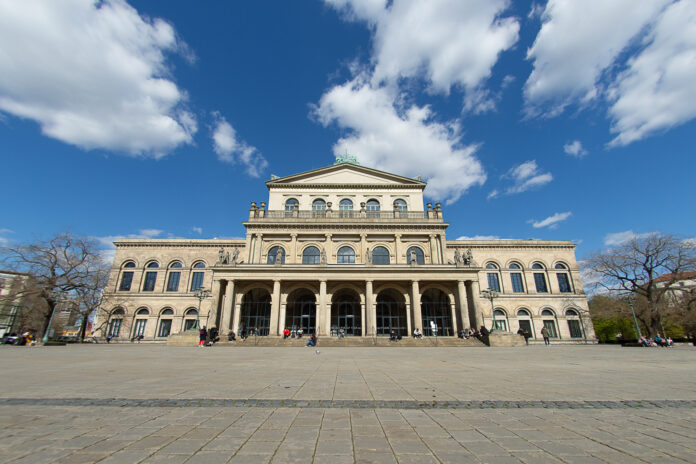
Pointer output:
x,y
202,336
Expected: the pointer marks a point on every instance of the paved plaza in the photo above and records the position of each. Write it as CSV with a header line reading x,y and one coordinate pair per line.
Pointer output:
x,y
153,403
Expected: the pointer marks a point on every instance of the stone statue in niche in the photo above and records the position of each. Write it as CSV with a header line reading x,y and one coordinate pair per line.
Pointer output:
x,y
413,258
368,256
323,256
279,256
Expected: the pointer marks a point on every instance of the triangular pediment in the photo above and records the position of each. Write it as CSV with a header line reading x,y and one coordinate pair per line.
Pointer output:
x,y
345,174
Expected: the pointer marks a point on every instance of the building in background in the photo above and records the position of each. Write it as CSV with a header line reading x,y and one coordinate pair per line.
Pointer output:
x,y
12,300
346,248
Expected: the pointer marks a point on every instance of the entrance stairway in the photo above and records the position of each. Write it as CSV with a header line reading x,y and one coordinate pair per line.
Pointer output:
x,y
355,341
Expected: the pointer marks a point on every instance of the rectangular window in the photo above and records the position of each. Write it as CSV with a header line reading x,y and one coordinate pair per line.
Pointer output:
x,y
551,327
126,281
173,282
517,286
540,283
165,328
574,328
189,324
150,279
115,327
493,282
139,327
563,282
197,281
501,324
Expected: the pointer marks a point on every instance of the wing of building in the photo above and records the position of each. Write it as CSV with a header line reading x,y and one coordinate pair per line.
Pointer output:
x,y
346,249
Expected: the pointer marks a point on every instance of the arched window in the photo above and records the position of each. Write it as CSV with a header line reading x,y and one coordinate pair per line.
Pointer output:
x,y
516,278
291,204
500,320
540,278
311,255
190,319
549,320
372,205
165,325
197,277
400,205
199,265
493,276
150,277
345,205
563,278
574,326
115,322
346,255
126,277
318,205
174,277
140,322
420,257
272,257
380,255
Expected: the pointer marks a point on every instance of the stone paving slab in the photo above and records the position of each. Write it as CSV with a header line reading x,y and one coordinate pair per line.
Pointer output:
x,y
155,404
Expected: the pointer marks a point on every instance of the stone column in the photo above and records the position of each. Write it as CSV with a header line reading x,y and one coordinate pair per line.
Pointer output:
x,y
281,318
473,293
237,312
324,313
455,326
227,308
217,301
275,308
369,323
463,307
415,302
258,247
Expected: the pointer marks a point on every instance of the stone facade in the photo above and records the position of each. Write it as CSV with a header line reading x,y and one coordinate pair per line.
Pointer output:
x,y
351,249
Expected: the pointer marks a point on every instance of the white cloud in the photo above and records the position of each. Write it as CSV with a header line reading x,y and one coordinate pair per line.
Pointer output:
x,y
494,194
107,241
231,150
657,92
619,238
447,42
479,237
577,42
93,74
526,176
551,222
400,138
198,230
575,149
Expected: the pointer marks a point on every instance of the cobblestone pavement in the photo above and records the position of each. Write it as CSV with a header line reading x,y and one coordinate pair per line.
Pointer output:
x,y
149,404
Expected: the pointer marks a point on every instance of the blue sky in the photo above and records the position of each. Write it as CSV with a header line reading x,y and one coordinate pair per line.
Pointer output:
x,y
559,120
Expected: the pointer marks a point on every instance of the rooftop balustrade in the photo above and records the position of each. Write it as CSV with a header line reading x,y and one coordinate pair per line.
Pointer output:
x,y
263,215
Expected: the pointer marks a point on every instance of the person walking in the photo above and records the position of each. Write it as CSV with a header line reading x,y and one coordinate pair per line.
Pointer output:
x,y
202,336
545,334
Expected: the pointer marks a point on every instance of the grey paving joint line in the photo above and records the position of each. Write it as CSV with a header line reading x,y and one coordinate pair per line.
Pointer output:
x,y
345,404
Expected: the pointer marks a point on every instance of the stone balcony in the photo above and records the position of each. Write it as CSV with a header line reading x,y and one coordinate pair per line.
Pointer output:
x,y
432,215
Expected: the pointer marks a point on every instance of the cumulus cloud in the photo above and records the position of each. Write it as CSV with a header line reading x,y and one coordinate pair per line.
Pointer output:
x,y
551,222
619,238
575,149
656,92
525,176
231,150
198,230
93,74
387,135
107,242
577,42
446,42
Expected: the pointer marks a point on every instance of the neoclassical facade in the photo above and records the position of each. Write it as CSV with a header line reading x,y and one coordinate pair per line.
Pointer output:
x,y
346,247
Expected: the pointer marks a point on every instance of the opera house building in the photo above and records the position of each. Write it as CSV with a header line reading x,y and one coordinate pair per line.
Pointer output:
x,y
345,249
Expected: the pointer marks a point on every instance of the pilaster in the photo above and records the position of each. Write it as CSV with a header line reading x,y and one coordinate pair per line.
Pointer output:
x,y
275,308
227,307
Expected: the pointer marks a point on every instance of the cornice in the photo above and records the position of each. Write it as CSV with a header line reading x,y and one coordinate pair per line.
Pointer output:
x,y
179,243
256,227
298,186
473,244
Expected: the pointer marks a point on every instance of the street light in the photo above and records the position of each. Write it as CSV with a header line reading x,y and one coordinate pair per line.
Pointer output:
x,y
629,297
201,294
58,297
490,294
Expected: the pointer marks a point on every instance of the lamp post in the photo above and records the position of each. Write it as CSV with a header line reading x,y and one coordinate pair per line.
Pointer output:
x,y
629,297
58,298
491,294
201,294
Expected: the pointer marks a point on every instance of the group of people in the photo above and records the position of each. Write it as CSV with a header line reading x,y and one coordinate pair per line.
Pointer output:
x,y
295,333
658,340
524,333
208,337
26,338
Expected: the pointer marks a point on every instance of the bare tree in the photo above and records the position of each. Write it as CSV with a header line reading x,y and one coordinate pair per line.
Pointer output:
x,y
89,297
636,265
63,266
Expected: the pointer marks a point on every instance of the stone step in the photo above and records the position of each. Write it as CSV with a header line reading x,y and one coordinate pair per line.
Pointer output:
x,y
355,342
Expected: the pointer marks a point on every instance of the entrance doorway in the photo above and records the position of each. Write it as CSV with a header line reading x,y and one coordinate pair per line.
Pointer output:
x,y
391,313
256,311
436,311
346,313
301,312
